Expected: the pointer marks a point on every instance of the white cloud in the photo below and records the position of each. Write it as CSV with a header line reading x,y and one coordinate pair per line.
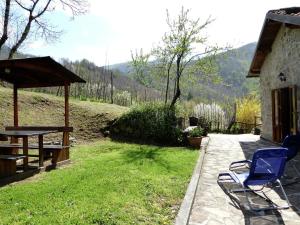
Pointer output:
x,y
117,26
36,44
140,24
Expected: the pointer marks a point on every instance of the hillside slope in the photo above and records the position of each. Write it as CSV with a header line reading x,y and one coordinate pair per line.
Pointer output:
x,y
233,66
87,118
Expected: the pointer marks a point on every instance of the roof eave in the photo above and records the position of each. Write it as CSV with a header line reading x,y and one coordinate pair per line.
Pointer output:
x,y
294,20
278,20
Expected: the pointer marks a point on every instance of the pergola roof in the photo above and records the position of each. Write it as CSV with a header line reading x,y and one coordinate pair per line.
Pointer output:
x,y
36,72
290,17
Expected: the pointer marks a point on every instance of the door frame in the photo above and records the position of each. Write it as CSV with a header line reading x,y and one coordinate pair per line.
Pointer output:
x,y
279,96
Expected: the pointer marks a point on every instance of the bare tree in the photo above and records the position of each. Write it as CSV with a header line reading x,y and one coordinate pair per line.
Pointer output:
x,y
111,87
4,35
23,19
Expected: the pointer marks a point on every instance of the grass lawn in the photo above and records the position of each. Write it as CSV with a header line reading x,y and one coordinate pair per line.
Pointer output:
x,y
107,183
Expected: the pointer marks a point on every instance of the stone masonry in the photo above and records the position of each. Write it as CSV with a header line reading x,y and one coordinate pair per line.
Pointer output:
x,y
284,57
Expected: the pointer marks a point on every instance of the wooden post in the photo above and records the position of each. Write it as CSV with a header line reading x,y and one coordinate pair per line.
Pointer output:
x,y
41,152
25,152
16,115
67,86
65,153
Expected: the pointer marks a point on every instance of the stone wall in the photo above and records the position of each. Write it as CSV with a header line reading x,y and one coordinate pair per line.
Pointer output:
x,y
285,58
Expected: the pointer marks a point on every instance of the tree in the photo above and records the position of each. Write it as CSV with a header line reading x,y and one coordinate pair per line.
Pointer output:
x,y
23,19
181,47
139,65
164,64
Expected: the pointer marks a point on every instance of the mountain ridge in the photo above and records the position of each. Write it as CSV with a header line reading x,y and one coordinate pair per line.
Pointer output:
x,y
233,67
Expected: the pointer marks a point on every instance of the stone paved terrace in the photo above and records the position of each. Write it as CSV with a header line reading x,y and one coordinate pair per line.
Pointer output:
x,y
212,206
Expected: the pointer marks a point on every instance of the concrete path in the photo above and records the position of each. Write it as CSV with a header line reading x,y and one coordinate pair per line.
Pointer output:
x,y
212,206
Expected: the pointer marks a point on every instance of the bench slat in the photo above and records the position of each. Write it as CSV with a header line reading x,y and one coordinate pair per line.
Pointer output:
x,y
12,157
45,147
38,128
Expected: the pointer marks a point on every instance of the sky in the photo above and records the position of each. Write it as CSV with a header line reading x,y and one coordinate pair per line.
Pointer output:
x,y
113,28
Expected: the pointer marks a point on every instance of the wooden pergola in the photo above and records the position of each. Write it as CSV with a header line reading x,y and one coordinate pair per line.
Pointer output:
x,y
39,72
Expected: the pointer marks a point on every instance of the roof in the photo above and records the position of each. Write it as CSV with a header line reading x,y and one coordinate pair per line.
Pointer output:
x,y
290,17
36,72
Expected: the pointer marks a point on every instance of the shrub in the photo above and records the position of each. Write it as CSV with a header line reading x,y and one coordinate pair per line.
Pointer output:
x,y
247,109
236,129
204,124
150,122
197,132
186,109
123,98
211,116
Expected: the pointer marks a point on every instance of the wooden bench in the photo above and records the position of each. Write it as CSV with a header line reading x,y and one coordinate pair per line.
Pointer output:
x,y
50,151
8,164
45,147
3,138
59,152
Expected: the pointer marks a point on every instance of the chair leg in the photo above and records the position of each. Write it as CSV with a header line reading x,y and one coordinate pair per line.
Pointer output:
x,y
228,177
285,196
246,190
274,207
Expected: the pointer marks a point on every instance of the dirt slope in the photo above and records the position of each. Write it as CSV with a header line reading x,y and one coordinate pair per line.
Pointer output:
x,y
87,118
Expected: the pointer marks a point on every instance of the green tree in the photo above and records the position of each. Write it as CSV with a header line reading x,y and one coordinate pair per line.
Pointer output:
x,y
140,68
139,65
181,48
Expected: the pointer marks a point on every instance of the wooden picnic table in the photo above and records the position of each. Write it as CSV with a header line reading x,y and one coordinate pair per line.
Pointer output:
x,y
24,134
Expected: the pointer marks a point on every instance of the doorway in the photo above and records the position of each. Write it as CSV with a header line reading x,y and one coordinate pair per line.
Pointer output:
x,y
284,112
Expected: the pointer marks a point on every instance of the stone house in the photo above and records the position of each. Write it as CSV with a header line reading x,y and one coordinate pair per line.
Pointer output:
x,y
276,62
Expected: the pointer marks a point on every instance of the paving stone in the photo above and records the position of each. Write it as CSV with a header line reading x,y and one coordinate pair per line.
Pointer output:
x,y
213,206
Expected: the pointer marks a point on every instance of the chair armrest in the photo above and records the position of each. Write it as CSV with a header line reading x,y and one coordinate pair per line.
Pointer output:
x,y
238,164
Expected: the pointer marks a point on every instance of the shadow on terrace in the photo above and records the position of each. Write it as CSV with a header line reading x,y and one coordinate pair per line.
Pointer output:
x,y
291,187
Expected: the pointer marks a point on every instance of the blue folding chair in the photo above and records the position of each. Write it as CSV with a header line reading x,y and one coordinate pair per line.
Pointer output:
x,y
266,168
292,143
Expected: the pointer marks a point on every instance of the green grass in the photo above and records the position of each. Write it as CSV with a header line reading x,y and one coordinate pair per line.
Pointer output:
x,y
107,183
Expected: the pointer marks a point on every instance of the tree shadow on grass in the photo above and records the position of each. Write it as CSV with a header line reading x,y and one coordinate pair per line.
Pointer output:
x,y
153,144
146,155
145,142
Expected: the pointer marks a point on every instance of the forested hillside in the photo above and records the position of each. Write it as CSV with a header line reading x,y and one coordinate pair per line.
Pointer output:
x,y
107,85
115,83
233,67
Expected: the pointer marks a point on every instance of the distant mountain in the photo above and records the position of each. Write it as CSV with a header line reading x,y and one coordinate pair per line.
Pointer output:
x,y
233,68
123,68
5,52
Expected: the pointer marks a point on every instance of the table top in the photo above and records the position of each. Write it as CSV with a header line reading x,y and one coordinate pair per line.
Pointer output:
x,y
25,133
